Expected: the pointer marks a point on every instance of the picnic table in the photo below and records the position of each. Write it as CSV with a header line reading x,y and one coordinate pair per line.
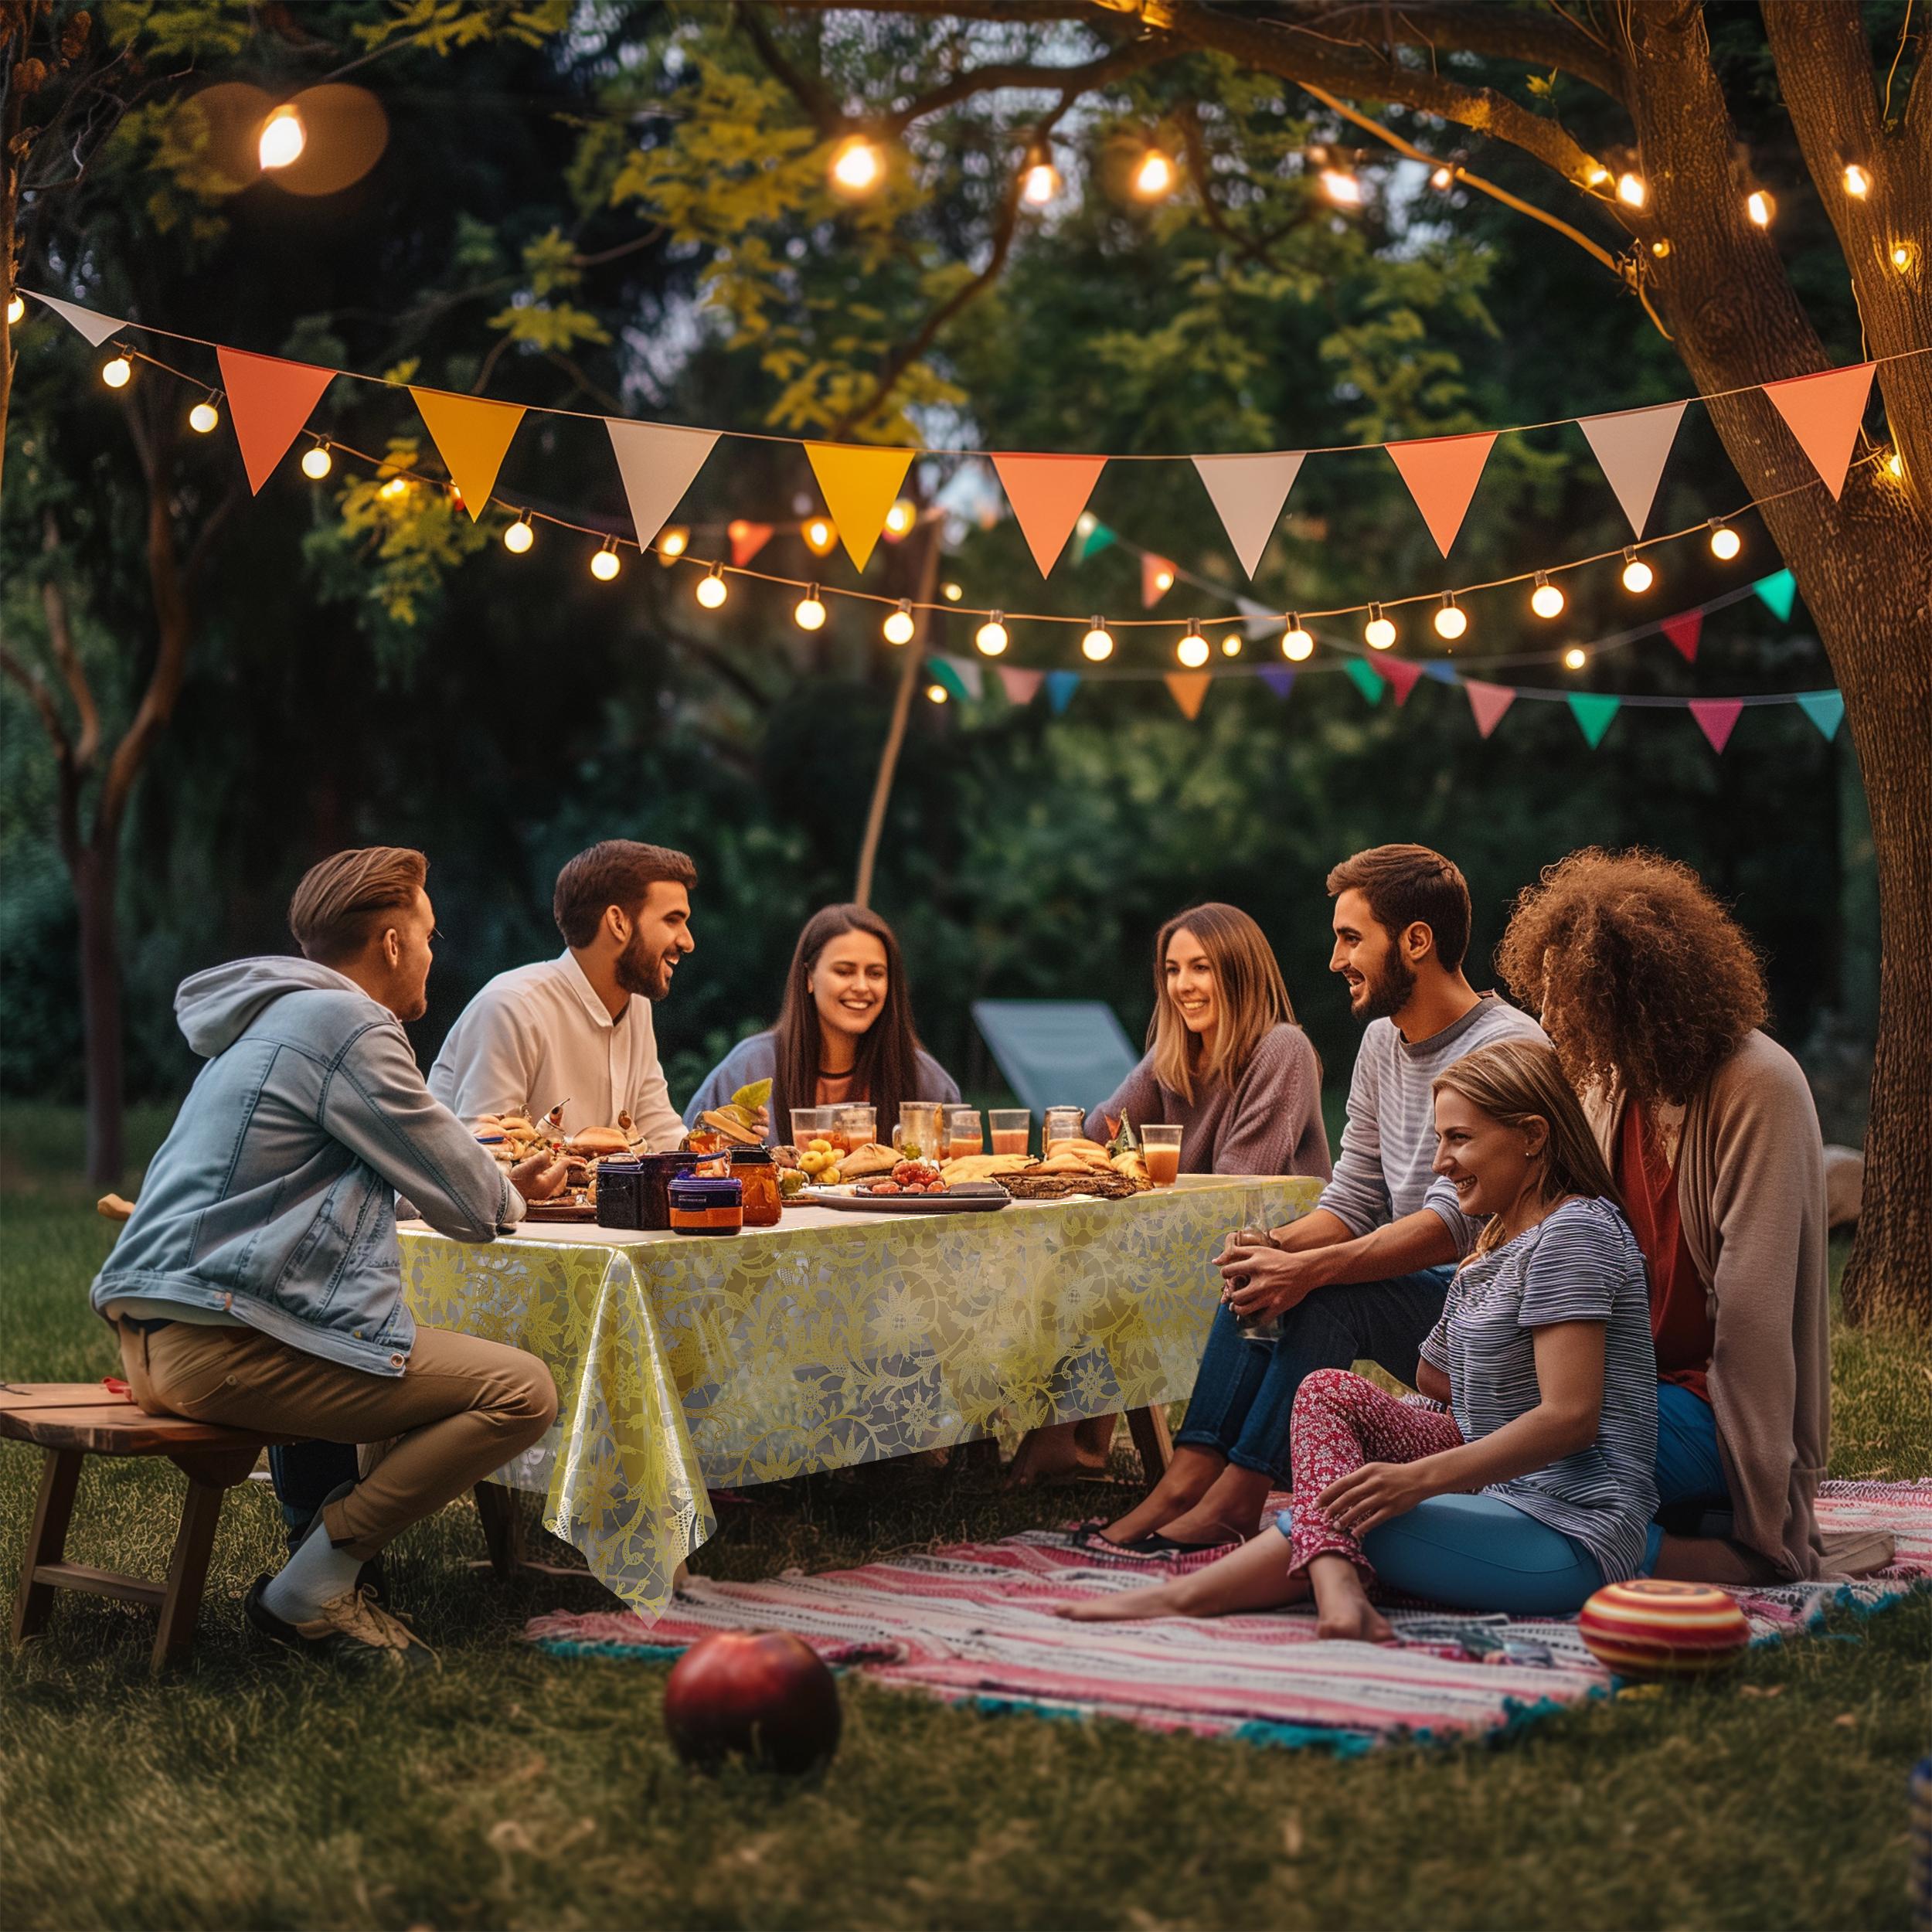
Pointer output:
x,y
837,1338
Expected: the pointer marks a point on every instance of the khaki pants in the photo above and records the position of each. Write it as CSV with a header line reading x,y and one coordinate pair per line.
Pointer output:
x,y
460,1409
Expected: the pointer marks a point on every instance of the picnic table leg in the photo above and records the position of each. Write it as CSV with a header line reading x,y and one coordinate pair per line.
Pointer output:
x,y
501,1511
46,1541
1148,1428
187,1573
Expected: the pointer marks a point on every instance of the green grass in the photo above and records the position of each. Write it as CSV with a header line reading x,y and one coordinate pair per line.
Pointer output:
x,y
512,1790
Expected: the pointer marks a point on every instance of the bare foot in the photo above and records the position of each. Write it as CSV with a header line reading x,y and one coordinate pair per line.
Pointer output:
x,y
1129,1607
1344,1613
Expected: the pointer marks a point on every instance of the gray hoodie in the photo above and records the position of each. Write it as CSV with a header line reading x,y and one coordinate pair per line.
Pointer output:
x,y
273,1198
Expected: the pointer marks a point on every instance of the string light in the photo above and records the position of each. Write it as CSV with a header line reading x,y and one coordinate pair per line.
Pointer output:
x,y
1378,634
282,137
1443,179
673,540
316,462
204,418
810,612
1546,600
1661,247
899,626
1903,255
1192,649
606,564
952,593
1231,642
1761,206
937,694
1155,175
1858,182
1725,542
1596,174
396,486
1638,576
1341,187
1042,181
1631,190
1576,657
117,371
1451,620
858,166
900,518
1097,645
820,535
1164,579
713,589
990,637
1895,465
1297,644
16,307
519,536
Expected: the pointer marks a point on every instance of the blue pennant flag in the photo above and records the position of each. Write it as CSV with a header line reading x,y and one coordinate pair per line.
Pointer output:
x,y
1825,709
1278,679
1060,687
1778,591
1441,670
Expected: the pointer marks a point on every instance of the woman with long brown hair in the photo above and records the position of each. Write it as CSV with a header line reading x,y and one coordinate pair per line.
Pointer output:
x,y
1531,1488
844,1031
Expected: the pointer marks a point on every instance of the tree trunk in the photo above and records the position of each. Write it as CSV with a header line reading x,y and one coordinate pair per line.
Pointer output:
x,y
96,875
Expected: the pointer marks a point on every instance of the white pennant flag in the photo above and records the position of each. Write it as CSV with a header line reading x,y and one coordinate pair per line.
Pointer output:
x,y
970,672
91,322
1632,447
1257,620
658,463
1248,493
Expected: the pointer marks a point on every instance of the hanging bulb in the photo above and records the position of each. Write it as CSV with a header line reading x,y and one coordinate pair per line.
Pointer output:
x,y
810,613
396,486
1546,600
1858,182
1378,634
204,418
1231,643
1443,178
937,694
820,535
1760,205
116,371
990,637
606,564
1451,620
1631,190
1661,247
1042,181
1155,175
1895,465
16,307
1297,644
1097,645
1164,579
673,540
1903,255
519,537
899,626
713,589
1638,576
1576,657
316,462
1341,186
858,166
1725,542
1192,649
282,137
952,593
900,518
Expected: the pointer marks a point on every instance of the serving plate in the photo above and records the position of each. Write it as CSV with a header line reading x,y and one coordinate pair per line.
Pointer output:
x,y
851,1202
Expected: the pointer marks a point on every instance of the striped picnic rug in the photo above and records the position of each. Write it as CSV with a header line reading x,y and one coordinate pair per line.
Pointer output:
x,y
973,1624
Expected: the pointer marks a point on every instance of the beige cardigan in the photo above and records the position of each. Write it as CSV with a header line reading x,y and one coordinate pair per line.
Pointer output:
x,y
1750,1188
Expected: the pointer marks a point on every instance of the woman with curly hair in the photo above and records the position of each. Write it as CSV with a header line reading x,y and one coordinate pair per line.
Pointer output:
x,y
1653,997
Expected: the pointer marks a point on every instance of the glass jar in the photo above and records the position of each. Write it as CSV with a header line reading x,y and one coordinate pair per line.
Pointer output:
x,y
706,1205
752,1168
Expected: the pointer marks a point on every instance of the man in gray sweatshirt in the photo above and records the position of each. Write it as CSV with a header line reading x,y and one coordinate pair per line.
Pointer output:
x,y
1365,1274
259,1282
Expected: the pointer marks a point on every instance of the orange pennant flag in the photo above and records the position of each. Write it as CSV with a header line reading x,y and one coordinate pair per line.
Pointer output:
x,y
747,540
1824,412
269,400
1189,690
471,435
1441,472
860,485
1048,494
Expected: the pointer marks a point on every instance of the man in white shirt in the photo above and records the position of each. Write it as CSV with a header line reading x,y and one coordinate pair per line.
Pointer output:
x,y
576,1030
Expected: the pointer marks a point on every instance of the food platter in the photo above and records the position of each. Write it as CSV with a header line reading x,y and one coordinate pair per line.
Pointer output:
x,y
574,1209
849,1200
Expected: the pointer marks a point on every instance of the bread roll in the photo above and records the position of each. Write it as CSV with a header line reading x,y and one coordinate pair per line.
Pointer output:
x,y
598,1140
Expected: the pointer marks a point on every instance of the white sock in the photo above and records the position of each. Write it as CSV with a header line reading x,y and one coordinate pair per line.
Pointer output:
x,y
318,1573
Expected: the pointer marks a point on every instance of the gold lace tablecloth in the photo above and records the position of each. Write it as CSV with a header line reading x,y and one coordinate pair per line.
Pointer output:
x,y
834,1339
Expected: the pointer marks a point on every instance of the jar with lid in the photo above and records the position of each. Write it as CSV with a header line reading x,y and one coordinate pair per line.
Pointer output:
x,y
752,1168
706,1205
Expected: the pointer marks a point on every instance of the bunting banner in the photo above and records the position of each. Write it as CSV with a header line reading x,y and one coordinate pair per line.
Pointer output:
x,y
958,676
1248,493
1403,675
1778,592
1094,537
1060,687
1631,448
1153,569
269,400
1824,412
1047,494
1825,709
1487,703
1684,630
1441,670
1717,718
860,485
746,539
1442,472
1278,679
1189,689
472,435
658,465
1258,621
1593,711
1364,676
1019,685
89,322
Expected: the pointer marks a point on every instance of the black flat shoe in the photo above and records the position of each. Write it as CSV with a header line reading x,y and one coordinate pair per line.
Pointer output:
x,y
352,1630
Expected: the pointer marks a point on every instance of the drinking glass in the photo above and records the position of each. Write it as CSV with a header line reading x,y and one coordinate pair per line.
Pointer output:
x,y
965,1132
1012,1128
922,1130
810,1123
858,1124
1253,1233
1062,1123
1160,1149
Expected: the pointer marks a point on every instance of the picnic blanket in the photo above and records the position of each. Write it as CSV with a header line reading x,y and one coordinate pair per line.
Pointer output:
x,y
973,1624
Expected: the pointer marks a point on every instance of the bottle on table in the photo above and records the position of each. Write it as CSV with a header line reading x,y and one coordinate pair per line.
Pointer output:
x,y
1254,1233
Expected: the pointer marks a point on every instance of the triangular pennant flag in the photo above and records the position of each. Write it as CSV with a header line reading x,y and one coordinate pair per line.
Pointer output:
x,y
1403,675
746,539
269,400
1048,494
1366,678
1631,448
1442,670
1278,679
1189,689
1778,591
1488,702
1441,472
1257,620
1592,712
1153,569
471,435
1095,536
1825,709
944,671
1683,630
860,485
1248,492
658,463
90,321
1060,687
1019,685
1716,718
1824,412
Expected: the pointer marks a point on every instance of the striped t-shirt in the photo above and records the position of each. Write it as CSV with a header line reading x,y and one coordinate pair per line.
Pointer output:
x,y
1581,1263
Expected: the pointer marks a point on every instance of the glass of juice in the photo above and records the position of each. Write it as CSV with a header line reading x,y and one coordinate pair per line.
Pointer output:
x,y
1012,1128
922,1130
965,1132
858,1124
1160,1149
1062,1123
1254,1233
810,1123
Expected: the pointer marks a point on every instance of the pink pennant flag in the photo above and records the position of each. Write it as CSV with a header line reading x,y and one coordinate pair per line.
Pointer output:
x,y
1631,448
1248,492
1715,718
1020,685
1189,689
1402,674
1488,702
1824,412
1441,472
1048,494
90,321
269,400
1683,630
1153,569
747,540
658,462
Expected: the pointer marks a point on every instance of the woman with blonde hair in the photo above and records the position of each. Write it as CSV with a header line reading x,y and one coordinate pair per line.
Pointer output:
x,y
1531,1487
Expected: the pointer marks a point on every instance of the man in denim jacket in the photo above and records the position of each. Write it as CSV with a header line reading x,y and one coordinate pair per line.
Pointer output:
x,y
259,1283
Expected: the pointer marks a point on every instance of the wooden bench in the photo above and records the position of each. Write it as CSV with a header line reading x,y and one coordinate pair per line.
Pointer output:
x,y
73,1420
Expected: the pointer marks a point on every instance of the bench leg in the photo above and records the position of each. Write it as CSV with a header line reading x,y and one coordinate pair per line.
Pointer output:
x,y
1148,1428
46,1541
187,1573
501,1511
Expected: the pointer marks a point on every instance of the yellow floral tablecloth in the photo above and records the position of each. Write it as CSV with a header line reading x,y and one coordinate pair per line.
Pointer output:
x,y
835,1339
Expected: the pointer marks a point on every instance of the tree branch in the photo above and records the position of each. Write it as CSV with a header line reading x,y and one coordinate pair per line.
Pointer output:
x,y
53,603
1069,82
821,110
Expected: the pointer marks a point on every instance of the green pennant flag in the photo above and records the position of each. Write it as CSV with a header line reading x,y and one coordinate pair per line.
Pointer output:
x,y
1592,712
1366,679
1825,709
1094,541
1777,591
944,675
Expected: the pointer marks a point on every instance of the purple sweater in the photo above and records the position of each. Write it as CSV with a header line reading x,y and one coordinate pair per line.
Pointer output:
x,y
1269,1122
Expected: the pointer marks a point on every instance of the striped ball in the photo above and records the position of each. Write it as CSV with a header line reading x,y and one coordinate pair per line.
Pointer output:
x,y
1654,1628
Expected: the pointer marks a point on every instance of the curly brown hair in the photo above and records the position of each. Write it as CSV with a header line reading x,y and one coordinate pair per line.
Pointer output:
x,y
1643,982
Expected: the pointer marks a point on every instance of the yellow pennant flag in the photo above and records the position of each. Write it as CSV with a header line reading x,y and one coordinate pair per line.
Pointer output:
x,y
860,485
471,435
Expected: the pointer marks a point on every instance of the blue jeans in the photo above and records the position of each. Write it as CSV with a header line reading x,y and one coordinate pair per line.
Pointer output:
x,y
305,1473
1244,1391
1688,1469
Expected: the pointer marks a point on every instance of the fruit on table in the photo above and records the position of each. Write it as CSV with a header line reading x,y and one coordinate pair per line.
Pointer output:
x,y
820,1160
764,1696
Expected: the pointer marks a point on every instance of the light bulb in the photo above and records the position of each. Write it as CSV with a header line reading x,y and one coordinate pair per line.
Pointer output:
x,y
605,563
1857,182
673,540
713,589
810,612
1040,183
1638,576
1192,649
936,694
1097,645
1903,254
1231,642
16,307
1760,206
1546,600
1725,542
1451,620
282,137
1661,247
990,637
1341,187
117,372
1153,178
1895,464
204,418
316,462
1631,190
900,518
1164,580
857,165
396,486
1297,644
952,593
819,536
1575,658
519,536
1378,634
1443,179
1596,174
899,626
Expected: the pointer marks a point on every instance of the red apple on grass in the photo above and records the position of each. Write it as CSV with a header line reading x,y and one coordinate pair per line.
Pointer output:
x,y
765,1696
